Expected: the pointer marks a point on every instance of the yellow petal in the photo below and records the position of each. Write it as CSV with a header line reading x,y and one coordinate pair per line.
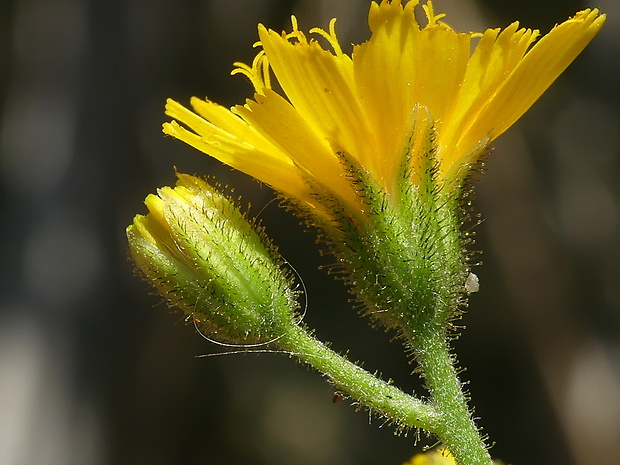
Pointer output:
x,y
386,95
402,66
243,148
439,456
437,79
547,59
320,86
494,58
278,121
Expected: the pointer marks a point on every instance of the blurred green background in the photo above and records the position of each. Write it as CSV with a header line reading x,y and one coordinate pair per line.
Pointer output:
x,y
94,370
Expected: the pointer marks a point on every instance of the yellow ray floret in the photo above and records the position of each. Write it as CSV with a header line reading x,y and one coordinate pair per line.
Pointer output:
x,y
362,105
439,456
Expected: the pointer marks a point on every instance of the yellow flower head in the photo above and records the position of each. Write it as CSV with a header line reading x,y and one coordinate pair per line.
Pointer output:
x,y
372,106
439,456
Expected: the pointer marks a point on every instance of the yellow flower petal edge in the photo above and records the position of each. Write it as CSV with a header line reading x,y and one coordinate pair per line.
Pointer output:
x,y
473,85
439,456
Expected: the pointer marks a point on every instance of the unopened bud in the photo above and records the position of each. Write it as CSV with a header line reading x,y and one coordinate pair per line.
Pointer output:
x,y
206,258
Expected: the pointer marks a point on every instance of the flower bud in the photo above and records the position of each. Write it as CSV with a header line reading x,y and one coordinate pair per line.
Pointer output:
x,y
205,257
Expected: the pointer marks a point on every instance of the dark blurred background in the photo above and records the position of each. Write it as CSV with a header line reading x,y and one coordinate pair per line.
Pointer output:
x,y
94,370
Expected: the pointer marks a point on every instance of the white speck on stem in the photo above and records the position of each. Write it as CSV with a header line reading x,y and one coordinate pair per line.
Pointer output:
x,y
472,283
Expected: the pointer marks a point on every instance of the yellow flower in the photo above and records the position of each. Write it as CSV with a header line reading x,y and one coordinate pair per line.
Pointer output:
x,y
372,106
440,456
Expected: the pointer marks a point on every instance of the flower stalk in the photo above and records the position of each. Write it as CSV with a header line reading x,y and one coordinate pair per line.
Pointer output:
x,y
380,397
456,428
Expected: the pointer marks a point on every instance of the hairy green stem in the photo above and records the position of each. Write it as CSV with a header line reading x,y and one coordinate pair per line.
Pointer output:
x,y
372,392
456,430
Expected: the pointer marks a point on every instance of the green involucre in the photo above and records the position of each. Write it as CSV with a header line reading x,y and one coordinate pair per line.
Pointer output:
x,y
403,254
